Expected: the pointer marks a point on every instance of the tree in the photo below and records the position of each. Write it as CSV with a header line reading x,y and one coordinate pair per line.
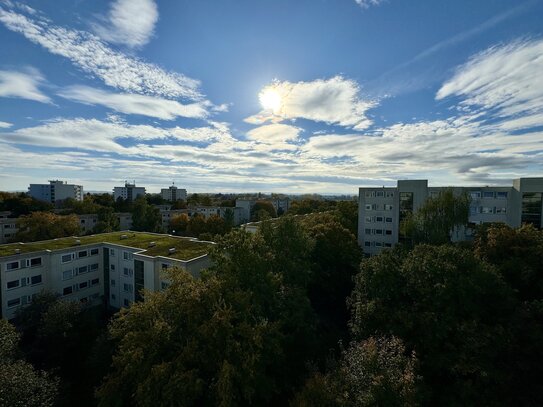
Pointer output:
x,y
374,372
229,220
46,225
20,384
262,210
179,224
197,225
448,306
215,225
107,221
179,204
20,204
435,220
145,217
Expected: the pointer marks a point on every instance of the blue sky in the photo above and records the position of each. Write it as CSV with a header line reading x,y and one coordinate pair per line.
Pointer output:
x,y
270,95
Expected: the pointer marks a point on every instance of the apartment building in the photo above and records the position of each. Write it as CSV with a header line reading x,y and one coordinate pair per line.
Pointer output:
x,y
221,211
109,268
280,205
381,210
8,227
173,194
129,192
56,191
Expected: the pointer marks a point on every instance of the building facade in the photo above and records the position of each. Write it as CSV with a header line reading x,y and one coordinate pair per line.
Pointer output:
x,y
55,191
173,194
95,269
8,227
129,192
381,210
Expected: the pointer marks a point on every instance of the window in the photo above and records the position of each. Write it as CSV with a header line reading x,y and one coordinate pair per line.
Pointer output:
x,y
82,270
474,210
501,195
95,281
501,210
113,297
66,258
35,279
126,302
367,231
488,194
111,252
165,266
14,302
128,287
35,262
388,232
380,194
93,267
83,285
487,209
368,219
367,244
378,231
128,272
113,283
388,207
378,244
14,265
94,252
112,267
368,207
66,275
378,219
67,290
390,194
127,256
475,194
13,284
388,220
82,253
388,244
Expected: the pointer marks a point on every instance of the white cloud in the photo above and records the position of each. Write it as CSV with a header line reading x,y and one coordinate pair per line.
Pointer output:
x,y
504,79
368,3
275,136
134,104
91,55
129,22
22,84
333,101
5,125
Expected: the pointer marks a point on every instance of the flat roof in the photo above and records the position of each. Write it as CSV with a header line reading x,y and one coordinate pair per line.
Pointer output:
x,y
185,248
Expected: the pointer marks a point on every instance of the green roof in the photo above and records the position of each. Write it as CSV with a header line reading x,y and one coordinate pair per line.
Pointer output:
x,y
185,248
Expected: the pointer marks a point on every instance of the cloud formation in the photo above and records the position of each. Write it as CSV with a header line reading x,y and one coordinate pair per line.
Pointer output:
x,y
127,103
332,101
5,125
368,3
129,22
23,84
94,57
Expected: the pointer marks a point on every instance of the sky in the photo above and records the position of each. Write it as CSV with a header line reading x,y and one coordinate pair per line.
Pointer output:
x,y
292,96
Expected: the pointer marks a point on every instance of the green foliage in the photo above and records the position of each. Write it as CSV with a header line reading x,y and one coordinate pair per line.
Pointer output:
x,y
107,221
262,210
448,306
517,255
145,217
21,204
434,221
20,384
45,226
86,206
179,224
306,206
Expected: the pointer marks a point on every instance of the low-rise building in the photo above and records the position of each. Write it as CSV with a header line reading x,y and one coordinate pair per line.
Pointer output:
x,y
381,210
56,191
8,228
109,268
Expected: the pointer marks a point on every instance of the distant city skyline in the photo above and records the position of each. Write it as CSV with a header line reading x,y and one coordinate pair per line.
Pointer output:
x,y
312,96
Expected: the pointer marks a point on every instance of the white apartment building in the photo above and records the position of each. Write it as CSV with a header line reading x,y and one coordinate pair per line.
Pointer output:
x,y
173,194
56,191
381,210
129,192
109,268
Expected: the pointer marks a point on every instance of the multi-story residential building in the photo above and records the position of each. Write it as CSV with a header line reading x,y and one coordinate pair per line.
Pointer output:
x,y
381,210
125,220
281,206
168,214
221,211
87,222
8,227
129,192
109,268
56,191
173,194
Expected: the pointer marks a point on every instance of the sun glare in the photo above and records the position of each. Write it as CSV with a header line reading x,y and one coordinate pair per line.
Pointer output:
x,y
270,99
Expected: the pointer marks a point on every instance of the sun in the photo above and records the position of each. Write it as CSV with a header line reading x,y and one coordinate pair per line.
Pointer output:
x,y
270,99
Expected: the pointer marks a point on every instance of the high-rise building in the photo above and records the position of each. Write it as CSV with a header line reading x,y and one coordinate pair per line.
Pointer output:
x,y
56,191
381,210
173,194
129,192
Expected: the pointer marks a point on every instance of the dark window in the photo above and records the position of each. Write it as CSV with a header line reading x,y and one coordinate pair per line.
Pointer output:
x,y
82,285
14,302
67,290
531,208
94,252
82,253
12,266
35,262
95,281
13,284
35,279
82,270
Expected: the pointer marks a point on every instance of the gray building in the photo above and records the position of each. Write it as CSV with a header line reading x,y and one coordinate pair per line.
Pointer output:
x,y
173,194
381,210
56,191
129,192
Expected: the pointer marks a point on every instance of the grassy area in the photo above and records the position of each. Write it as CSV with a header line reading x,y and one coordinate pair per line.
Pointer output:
x,y
185,249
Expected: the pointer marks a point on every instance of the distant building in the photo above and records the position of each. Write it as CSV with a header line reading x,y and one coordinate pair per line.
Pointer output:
x,y
55,191
281,206
173,194
381,210
8,227
129,192
221,211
